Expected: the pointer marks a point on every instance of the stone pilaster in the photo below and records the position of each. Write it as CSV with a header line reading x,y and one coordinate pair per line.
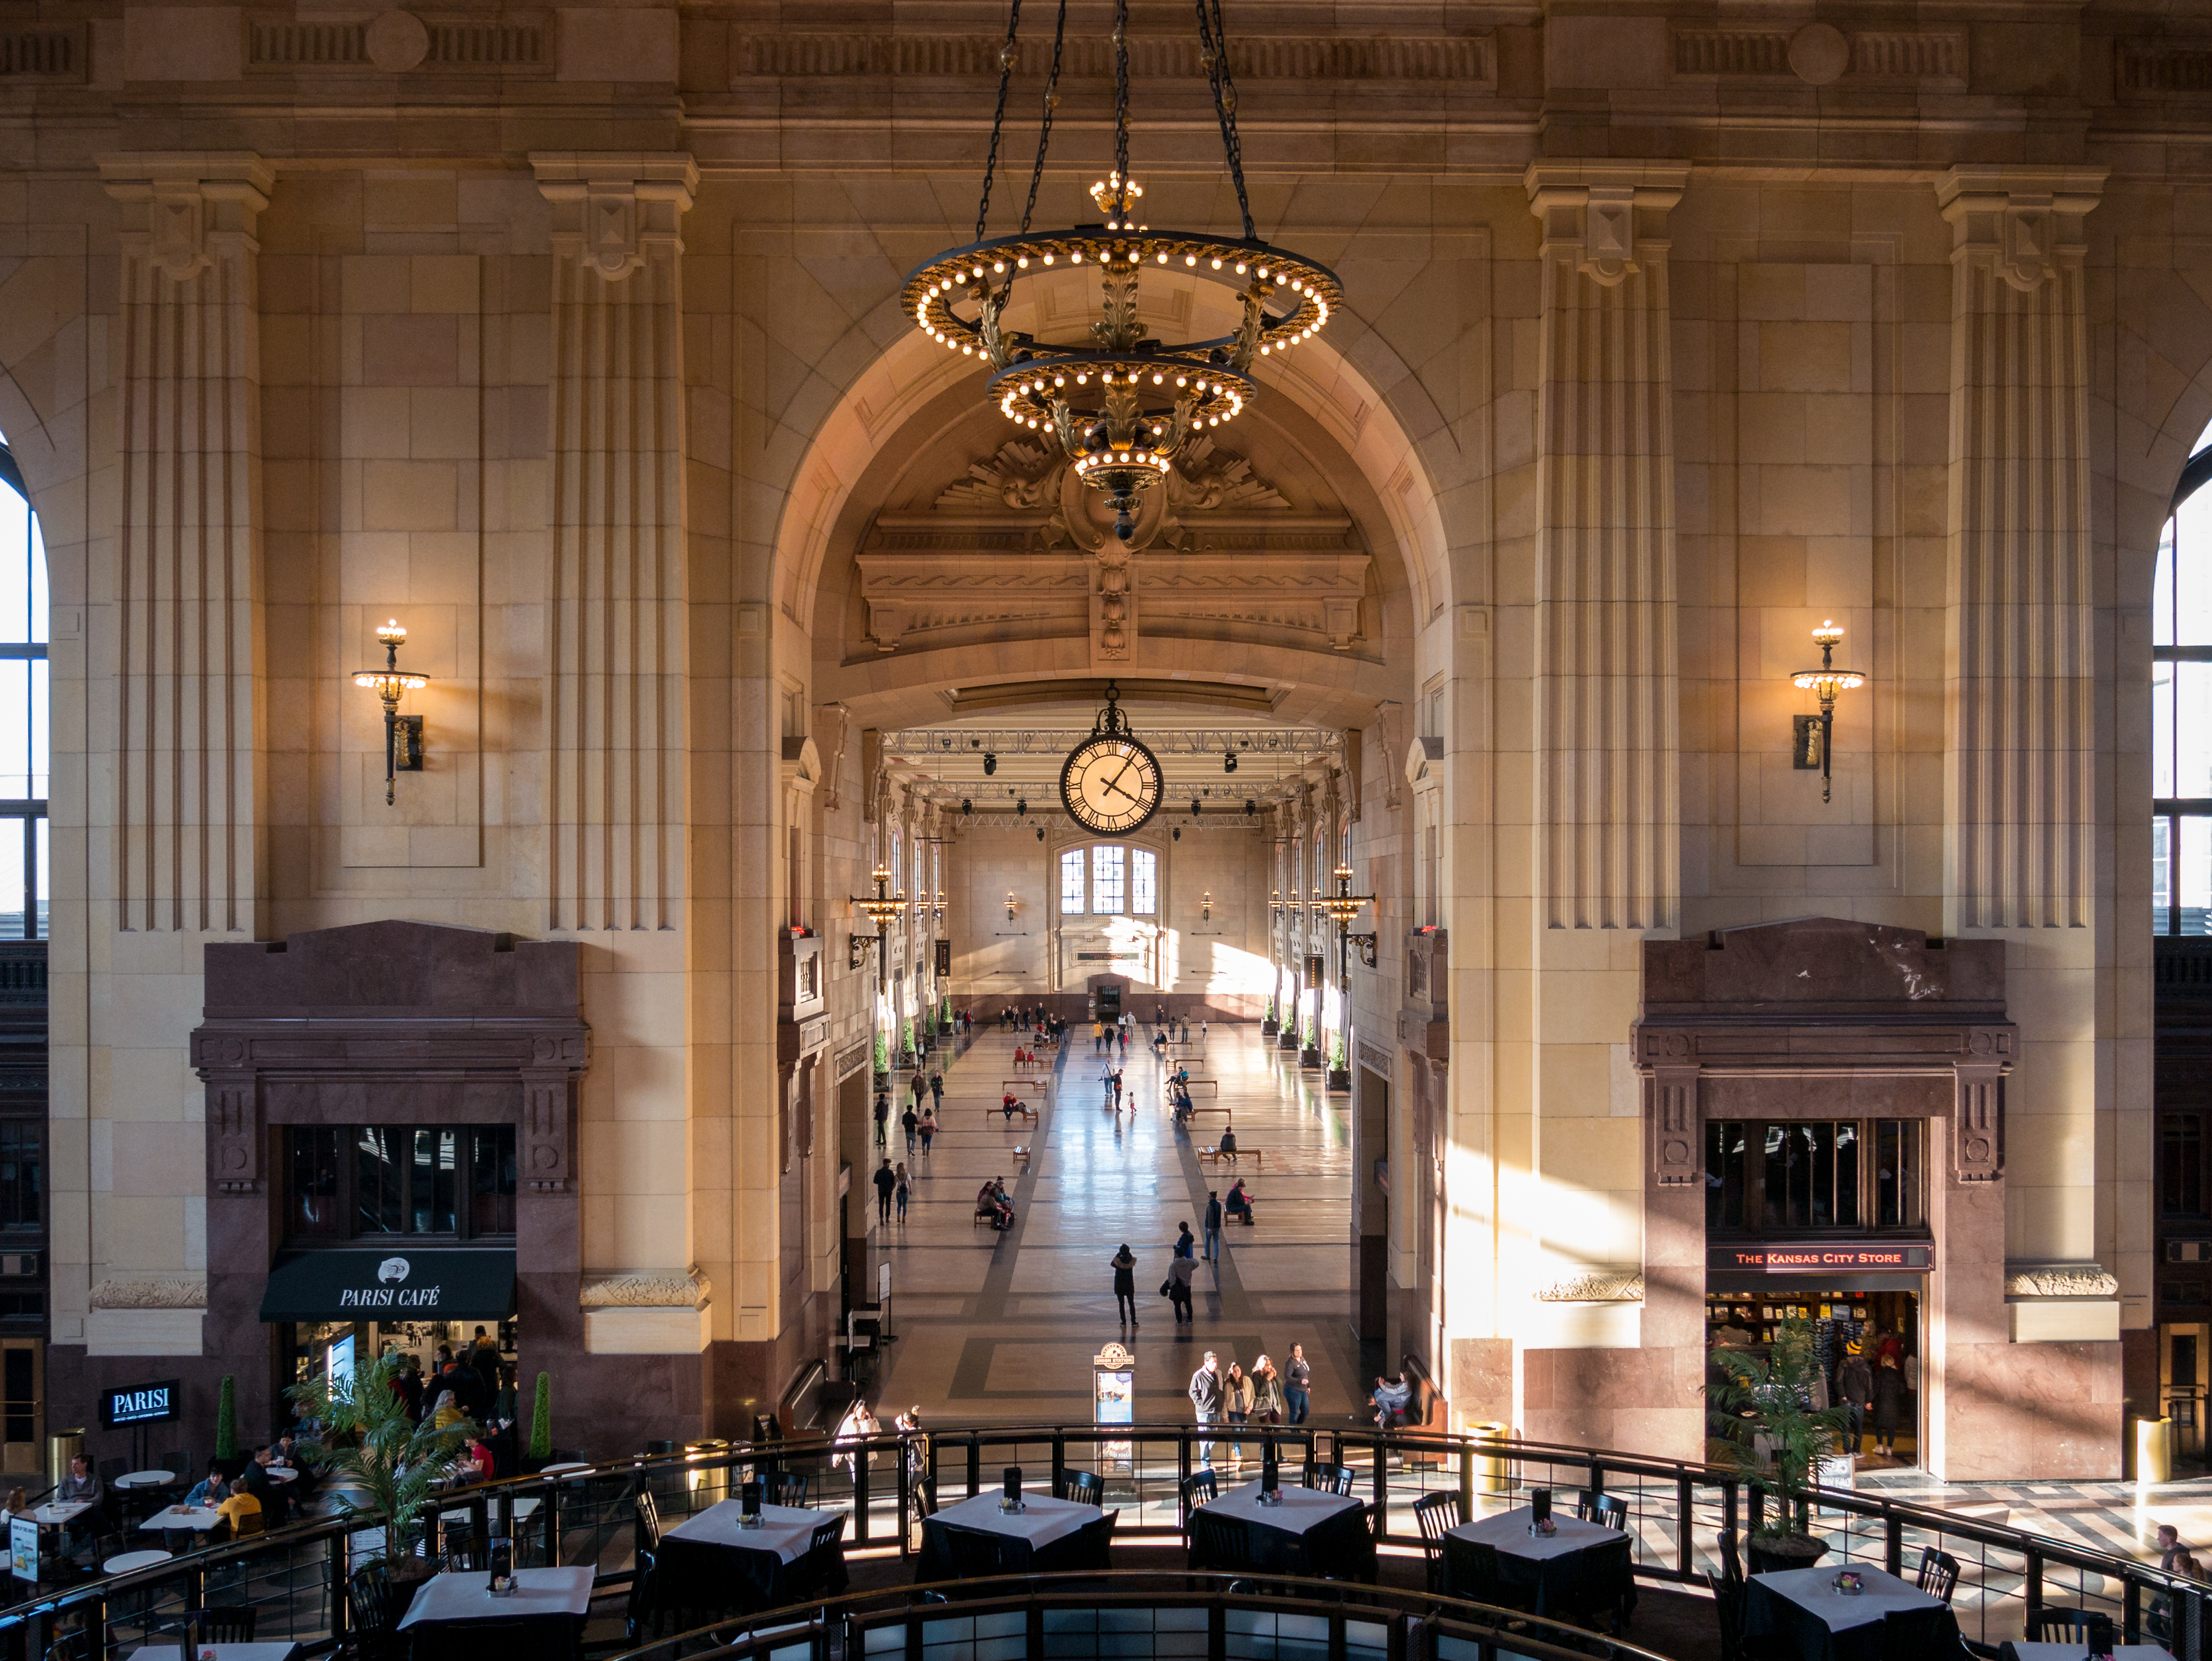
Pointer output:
x,y
614,697
188,825
1606,687
2020,759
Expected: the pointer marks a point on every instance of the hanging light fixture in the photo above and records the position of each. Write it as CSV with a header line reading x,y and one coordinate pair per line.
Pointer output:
x,y
1815,734
1120,402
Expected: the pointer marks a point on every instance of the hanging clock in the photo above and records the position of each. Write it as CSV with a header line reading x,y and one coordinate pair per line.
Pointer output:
x,y
1110,783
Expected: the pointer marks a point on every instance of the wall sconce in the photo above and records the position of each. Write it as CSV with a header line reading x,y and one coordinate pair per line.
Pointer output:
x,y
1206,905
1276,903
1342,907
883,908
402,734
1812,737
1010,906
940,907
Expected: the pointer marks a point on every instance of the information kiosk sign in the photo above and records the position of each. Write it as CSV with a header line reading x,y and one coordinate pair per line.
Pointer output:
x,y
1113,1398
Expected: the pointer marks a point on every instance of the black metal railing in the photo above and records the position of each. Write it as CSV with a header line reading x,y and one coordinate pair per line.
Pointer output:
x,y
1676,1510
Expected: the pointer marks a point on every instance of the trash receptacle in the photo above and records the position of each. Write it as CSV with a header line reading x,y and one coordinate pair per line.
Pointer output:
x,y
62,1446
1493,1473
2153,1450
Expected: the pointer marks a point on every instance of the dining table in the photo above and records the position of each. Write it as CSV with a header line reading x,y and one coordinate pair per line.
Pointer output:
x,y
1048,1536
1311,1532
1822,1621
545,1614
275,1649
1578,1566
182,1519
711,1561
2021,1649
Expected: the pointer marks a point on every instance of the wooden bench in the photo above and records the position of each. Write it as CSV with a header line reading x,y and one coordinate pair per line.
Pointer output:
x,y
1235,1156
1195,1085
1194,1109
1038,1081
1023,1111
1022,1160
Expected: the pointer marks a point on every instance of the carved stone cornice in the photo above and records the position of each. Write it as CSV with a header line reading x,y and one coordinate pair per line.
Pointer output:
x,y
1469,61
151,1291
1597,1285
2026,222
1608,217
669,1288
198,206
613,213
2060,1281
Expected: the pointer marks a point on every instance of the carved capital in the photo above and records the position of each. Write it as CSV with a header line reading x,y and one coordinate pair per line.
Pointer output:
x,y
1600,1286
2060,1281
150,1291
1609,218
1977,1121
549,1115
2024,222
1671,1106
613,214
198,208
663,1288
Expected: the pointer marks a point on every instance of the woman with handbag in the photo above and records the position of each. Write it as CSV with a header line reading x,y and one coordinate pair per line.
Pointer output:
x,y
1266,1393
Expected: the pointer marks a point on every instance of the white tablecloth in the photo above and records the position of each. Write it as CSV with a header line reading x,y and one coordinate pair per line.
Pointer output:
x,y
145,1479
1509,1532
1814,1591
68,1511
1046,1519
2028,1651
786,1530
445,1597
1301,1510
275,1651
194,1517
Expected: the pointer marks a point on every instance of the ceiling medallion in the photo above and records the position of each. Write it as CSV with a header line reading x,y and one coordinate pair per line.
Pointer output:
x,y
1120,404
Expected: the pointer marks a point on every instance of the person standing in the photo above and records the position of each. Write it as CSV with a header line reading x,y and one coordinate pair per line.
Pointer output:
x,y
1298,1385
1179,1273
900,1192
886,1184
909,1122
1888,1406
883,1116
1184,1245
1854,1384
1236,1397
1206,1397
1212,1226
1266,1393
1124,1286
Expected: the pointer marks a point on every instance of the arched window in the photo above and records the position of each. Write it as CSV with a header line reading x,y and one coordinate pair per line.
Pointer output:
x,y
2181,706
23,710
1106,879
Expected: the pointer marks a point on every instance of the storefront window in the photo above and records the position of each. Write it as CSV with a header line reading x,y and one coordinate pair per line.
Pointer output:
x,y
370,1180
1812,1176
2181,1163
22,1169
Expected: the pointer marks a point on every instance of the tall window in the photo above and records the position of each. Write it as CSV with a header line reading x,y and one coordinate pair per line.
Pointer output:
x,y
2181,695
1107,868
454,1181
2181,1163
1144,883
23,711
1070,881
1813,1176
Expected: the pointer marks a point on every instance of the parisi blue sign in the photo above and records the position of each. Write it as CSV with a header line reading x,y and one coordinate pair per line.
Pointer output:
x,y
141,1404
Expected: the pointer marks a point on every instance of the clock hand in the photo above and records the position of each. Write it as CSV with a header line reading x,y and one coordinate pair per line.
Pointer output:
x,y
1115,785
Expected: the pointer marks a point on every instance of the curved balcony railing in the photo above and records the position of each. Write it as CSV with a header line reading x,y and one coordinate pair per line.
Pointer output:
x,y
295,1577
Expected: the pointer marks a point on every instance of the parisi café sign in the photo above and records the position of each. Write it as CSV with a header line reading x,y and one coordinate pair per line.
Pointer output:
x,y
1817,1257
337,1285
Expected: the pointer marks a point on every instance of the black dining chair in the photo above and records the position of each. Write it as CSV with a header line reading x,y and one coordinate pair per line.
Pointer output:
x,y
1084,1487
1469,1569
977,1556
642,1611
1729,1601
1731,1559
1604,1509
783,1487
1939,1574
1218,1542
649,1523
372,1601
1198,1487
1437,1513
1333,1479
1922,1634
225,1623
2074,1625
485,1640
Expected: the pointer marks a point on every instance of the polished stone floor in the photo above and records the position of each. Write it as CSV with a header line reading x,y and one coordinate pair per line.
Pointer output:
x,y
1003,1327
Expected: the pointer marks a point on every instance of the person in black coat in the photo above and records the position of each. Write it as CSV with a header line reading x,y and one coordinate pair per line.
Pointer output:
x,y
1888,1406
1125,1284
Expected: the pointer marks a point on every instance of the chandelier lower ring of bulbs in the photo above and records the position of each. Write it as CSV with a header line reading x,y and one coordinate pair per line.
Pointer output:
x,y
1208,394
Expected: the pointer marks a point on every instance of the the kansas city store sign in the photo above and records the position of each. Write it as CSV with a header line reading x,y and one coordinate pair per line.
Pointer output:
x,y
1818,1259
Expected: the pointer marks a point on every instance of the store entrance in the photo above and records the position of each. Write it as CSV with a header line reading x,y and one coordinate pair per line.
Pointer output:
x,y
1880,1315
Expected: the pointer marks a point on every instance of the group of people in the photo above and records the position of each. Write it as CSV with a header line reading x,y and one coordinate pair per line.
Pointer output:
x,y
991,1201
1105,1035
1874,1387
891,1185
1265,1395
921,1125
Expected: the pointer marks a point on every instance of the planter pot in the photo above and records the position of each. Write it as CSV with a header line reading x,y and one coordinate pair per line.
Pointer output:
x,y
1340,1077
1308,1058
1269,1027
1289,1040
1772,1552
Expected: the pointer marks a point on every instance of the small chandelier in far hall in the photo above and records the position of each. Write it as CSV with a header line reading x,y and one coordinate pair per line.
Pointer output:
x,y
1119,402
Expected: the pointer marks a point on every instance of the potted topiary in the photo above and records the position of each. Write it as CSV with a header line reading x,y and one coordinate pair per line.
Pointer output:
x,y
883,1061
1765,1426
1309,1046
381,1462
226,1428
1268,1024
1340,1075
541,1423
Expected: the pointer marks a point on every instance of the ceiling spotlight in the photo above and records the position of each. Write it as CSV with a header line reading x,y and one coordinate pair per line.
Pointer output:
x,y
1178,833
968,808
990,763
1250,807
1022,805
1194,807
1229,762
1040,833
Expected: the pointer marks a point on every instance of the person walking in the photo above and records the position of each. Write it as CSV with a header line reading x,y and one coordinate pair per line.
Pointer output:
x,y
910,1121
937,1090
928,1129
1206,1397
1236,1396
1184,1245
904,1184
886,1184
1855,1387
1888,1406
1298,1386
1179,1272
1212,1226
883,1116
1266,1393
1124,1286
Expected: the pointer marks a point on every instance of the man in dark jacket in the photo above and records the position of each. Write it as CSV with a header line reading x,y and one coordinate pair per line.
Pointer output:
x,y
1854,1385
886,1183
1206,1397
1213,1226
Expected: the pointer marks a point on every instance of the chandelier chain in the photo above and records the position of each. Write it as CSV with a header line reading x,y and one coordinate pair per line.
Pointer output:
x,y
1213,40
999,116
1044,128
1122,100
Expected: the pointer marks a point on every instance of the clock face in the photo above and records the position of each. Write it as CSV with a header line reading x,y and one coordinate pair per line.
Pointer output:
x,y
1110,784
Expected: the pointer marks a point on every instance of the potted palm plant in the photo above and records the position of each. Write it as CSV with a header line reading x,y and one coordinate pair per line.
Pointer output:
x,y
1340,1072
382,1461
1765,1426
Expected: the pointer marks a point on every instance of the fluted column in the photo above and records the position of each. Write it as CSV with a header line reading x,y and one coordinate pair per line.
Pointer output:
x,y
2020,760
187,826
1606,737
614,699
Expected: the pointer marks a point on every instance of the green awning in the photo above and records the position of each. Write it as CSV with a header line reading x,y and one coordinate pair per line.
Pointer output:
x,y
390,1283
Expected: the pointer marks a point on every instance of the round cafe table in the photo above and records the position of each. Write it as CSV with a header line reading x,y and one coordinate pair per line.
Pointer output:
x,y
145,1479
125,1563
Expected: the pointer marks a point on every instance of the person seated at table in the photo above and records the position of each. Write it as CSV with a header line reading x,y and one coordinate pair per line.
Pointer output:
x,y
477,1462
18,1502
276,1505
239,1505
209,1490
445,1412
1239,1203
1389,1401
80,1487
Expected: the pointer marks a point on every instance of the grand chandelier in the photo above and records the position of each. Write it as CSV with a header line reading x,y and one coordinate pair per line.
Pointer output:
x,y
1120,403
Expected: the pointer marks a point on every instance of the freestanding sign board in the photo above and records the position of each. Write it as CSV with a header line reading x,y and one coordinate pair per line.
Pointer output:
x,y
1114,1399
23,1549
